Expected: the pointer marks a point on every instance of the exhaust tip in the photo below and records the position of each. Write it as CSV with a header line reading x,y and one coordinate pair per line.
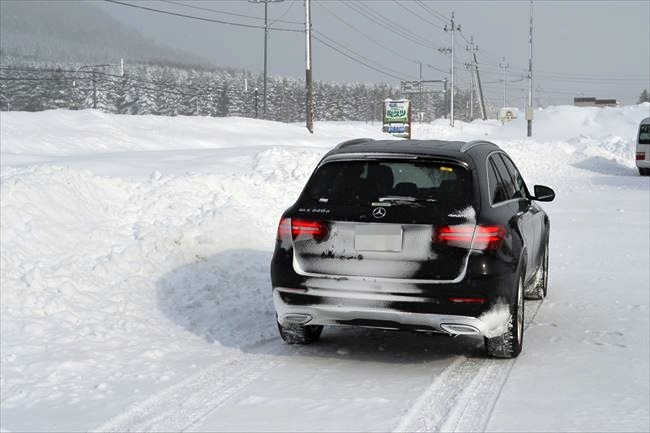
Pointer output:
x,y
300,319
459,329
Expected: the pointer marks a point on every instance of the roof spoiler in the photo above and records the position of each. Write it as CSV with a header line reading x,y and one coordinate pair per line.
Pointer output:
x,y
471,144
353,142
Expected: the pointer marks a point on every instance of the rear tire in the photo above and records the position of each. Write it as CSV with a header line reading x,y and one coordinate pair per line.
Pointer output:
x,y
294,333
509,344
644,171
540,286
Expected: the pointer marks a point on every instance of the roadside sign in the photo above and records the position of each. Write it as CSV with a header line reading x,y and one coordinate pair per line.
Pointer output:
x,y
397,117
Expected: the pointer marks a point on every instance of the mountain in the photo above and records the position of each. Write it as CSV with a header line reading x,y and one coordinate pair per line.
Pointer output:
x,y
76,31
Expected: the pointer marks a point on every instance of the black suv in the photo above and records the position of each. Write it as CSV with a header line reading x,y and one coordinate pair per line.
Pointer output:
x,y
425,235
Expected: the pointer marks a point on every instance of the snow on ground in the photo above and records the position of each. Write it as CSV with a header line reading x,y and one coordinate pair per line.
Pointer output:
x,y
135,292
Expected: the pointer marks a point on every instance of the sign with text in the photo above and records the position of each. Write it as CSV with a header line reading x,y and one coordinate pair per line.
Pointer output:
x,y
397,117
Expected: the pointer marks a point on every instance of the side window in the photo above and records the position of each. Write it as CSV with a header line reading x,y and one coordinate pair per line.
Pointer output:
x,y
644,134
516,176
506,181
497,188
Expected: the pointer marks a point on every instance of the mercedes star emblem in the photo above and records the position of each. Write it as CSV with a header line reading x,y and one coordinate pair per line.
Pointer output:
x,y
379,212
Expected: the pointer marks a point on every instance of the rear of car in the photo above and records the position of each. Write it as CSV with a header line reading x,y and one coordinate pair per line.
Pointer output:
x,y
643,147
392,241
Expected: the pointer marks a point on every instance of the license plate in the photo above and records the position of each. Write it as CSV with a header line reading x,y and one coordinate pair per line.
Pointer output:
x,y
378,237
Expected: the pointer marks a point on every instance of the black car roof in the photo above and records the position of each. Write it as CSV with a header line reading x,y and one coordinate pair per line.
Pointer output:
x,y
450,149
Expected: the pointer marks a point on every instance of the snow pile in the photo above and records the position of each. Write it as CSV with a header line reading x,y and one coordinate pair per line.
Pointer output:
x,y
129,242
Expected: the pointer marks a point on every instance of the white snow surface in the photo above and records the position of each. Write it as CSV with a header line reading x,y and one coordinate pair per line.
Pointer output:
x,y
135,290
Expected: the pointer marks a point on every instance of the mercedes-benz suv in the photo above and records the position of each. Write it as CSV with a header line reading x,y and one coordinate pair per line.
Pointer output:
x,y
424,235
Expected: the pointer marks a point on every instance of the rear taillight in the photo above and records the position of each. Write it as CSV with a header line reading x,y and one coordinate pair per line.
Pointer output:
x,y
640,156
301,229
455,236
284,230
482,237
308,229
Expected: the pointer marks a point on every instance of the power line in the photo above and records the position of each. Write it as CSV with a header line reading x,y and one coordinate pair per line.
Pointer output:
x,y
370,38
383,22
286,11
342,46
357,60
433,12
436,68
201,8
211,20
420,17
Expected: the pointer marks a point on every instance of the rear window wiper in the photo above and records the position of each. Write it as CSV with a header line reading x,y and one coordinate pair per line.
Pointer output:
x,y
401,198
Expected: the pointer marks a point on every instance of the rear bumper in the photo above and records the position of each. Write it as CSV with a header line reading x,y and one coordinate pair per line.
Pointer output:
x,y
643,163
378,310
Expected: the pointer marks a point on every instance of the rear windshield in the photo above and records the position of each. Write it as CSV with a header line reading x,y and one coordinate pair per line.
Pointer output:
x,y
408,183
644,134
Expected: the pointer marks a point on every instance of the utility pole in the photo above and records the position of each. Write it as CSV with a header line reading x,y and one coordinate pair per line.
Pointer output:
x,y
94,76
447,51
529,110
504,66
446,97
472,48
266,37
94,90
256,93
470,68
453,28
480,89
309,102
420,95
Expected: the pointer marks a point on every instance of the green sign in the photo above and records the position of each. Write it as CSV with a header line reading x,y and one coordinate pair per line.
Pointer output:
x,y
396,114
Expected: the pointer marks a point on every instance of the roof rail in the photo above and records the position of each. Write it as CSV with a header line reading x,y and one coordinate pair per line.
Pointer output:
x,y
472,144
353,142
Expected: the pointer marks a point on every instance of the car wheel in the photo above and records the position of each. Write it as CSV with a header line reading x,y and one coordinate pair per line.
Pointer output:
x,y
644,171
294,333
540,286
509,344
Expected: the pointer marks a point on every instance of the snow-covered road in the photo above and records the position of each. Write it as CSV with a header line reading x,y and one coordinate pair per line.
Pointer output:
x,y
135,292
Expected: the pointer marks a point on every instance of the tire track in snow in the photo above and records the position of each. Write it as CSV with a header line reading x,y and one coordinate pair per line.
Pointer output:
x,y
462,398
186,403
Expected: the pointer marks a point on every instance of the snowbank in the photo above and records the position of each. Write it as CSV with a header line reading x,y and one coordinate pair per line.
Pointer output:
x,y
128,242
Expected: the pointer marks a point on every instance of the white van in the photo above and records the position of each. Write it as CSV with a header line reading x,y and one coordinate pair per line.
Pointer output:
x,y
643,148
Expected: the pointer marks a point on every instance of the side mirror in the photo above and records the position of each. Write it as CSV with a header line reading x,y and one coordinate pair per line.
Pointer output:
x,y
543,193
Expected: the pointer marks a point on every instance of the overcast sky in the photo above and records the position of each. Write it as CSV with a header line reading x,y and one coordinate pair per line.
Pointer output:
x,y
581,48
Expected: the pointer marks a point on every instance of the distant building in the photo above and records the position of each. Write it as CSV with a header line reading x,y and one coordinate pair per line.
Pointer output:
x,y
607,103
506,114
593,102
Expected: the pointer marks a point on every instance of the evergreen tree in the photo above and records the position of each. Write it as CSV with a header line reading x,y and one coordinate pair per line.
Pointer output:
x,y
223,102
644,96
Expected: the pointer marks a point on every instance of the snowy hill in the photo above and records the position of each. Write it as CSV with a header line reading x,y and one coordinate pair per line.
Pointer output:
x,y
74,31
135,292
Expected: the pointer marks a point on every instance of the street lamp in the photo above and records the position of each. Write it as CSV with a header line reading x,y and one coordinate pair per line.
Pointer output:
x,y
266,37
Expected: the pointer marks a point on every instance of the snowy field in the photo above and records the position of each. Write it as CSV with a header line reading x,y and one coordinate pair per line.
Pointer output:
x,y
135,287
